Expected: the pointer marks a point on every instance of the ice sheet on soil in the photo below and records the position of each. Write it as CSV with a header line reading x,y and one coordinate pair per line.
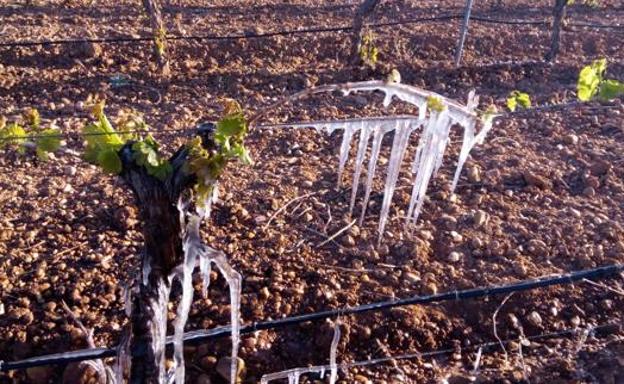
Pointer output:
x,y
436,125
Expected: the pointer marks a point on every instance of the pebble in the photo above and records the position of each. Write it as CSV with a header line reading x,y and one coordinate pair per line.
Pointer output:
x,y
203,379
480,218
454,257
208,362
430,289
474,175
70,170
223,368
571,139
600,167
535,319
362,379
411,278
348,241
457,238
536,180
589,191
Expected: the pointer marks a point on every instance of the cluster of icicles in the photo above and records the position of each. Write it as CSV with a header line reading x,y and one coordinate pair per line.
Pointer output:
x,y
431,147
195,254
428,159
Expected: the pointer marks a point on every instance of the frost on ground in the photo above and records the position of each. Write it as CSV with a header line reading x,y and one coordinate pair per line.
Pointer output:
x,y
293,375
436,116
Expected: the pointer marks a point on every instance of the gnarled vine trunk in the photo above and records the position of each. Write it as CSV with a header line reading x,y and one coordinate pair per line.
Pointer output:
x,y
559,12
157,202
152,8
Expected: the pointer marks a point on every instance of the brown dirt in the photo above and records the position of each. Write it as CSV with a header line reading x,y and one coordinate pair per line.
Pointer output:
x,y
550,185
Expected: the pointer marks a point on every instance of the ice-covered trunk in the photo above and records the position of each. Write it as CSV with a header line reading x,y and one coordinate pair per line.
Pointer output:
x,y
163,252
196,253
173,248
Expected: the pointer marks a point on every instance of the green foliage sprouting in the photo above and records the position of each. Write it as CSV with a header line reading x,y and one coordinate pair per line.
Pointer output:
x,y
104,143
368,51
517,98
45,140
435,103
160,41
208,165
591,83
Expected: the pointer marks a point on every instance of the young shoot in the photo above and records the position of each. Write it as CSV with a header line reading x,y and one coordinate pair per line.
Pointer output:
x,y
16,135
368,51
592,84
517,98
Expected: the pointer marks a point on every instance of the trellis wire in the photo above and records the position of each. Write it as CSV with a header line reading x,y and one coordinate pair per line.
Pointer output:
x,y
243,36
174,131
195,337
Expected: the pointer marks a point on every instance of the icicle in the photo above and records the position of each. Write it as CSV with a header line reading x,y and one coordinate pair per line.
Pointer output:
x,y
196,250
365,131
433,139
399,144
146,269
204,270
345,146
431,147
184,274
333,351
234,280
158,326
372,164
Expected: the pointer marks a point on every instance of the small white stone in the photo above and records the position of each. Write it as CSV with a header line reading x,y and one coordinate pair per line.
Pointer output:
x,y
454,257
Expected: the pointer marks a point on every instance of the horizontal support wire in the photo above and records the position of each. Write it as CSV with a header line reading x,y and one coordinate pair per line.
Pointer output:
x,y
174,132
243,36
195,337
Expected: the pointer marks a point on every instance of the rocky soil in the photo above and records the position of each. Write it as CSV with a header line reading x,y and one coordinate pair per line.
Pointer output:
x,y
543,195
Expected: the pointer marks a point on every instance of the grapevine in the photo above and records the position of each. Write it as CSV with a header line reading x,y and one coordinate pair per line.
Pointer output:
x,y
592,84
14,135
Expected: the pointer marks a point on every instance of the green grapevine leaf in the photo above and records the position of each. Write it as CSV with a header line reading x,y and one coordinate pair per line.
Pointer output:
x,y
516,98
33,118
109,160
610,89
50,140
145,154
12,135
590,78
435,103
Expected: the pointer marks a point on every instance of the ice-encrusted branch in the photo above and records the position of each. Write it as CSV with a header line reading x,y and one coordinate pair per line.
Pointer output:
x,y
435,125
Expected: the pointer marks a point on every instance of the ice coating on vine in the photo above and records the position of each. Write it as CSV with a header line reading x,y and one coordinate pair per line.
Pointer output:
x,y
365,131
294,374
158,326
196,253
333,352
436,124
399,145
428,158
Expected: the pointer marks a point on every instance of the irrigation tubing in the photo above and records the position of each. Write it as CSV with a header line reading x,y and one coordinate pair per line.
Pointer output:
x,y
243,36
446,351
195,337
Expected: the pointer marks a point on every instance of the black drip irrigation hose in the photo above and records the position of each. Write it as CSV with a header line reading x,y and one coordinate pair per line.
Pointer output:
x,y
242,36
196,337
